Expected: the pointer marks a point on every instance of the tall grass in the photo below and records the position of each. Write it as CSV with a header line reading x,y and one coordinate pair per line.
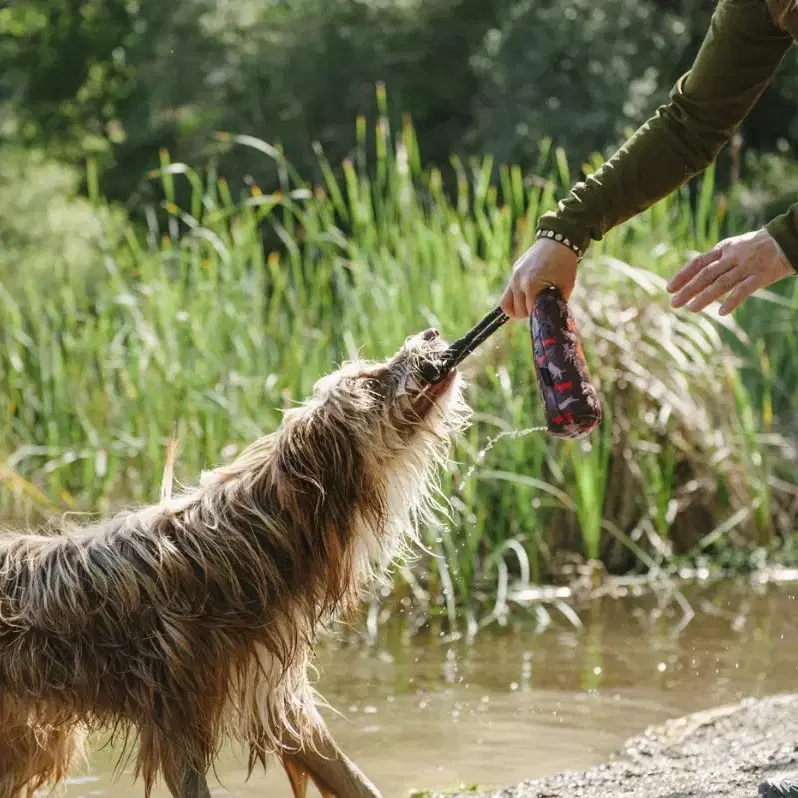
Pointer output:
x,y
225,309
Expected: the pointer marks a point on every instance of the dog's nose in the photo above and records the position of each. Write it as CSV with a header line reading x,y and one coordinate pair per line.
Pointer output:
x,y
430,335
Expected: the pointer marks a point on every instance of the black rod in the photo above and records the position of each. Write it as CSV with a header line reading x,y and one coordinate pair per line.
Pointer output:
x,y
458,351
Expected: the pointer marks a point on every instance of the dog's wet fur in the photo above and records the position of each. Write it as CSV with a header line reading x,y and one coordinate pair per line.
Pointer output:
x,y
179,627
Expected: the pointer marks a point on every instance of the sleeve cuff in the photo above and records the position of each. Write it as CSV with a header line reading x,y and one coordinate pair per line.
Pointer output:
x,y
784,230
550,222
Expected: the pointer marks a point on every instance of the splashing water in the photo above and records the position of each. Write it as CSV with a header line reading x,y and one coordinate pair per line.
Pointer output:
x,y
510,433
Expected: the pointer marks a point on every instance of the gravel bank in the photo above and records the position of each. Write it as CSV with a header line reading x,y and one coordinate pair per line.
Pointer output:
x,y
721,752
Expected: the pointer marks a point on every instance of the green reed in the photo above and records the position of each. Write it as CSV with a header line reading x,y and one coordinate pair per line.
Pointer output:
x,y
227,307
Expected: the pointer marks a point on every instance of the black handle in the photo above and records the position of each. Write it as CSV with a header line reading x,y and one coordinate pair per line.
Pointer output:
x,y
458,351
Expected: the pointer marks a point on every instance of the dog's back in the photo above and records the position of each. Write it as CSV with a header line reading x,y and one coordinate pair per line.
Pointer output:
x,y
145,625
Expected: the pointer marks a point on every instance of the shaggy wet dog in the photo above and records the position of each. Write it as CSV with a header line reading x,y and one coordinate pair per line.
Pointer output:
x,y
189,624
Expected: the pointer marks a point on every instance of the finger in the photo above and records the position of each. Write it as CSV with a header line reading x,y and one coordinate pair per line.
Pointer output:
x,y
531,291
741,291
717,289
703,279
687,272
506,303
519,304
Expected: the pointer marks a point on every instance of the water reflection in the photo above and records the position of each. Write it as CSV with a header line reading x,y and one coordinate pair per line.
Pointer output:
x,y
517,705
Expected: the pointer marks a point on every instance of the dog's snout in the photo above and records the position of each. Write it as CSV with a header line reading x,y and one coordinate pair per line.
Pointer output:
x,y
419,339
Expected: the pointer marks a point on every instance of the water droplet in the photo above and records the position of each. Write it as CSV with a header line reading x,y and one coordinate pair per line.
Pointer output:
x,y
512,433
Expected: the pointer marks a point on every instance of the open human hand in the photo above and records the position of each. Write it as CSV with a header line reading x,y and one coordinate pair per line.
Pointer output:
x,y
733,269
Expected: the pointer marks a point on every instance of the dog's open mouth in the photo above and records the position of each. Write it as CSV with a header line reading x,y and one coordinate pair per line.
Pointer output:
x,y
431,375
440,387
429,394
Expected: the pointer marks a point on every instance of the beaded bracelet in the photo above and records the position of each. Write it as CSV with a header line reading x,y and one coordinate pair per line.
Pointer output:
x,y
559,237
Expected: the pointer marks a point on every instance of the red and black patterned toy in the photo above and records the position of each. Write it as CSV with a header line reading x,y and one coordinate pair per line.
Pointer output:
x,y
570,402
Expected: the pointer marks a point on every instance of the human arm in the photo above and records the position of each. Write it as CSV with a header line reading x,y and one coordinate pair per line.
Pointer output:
x,y
737,59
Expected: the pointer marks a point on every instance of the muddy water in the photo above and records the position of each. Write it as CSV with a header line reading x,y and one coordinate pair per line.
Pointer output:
x,y
518,703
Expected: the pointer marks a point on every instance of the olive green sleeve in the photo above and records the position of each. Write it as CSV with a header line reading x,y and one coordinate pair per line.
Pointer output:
x,y
784,229
737,59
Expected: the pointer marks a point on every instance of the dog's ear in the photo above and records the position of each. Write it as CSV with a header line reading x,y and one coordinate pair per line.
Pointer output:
x,y
319,467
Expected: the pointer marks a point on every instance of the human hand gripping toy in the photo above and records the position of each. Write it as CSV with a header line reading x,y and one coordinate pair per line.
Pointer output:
x,y
570,402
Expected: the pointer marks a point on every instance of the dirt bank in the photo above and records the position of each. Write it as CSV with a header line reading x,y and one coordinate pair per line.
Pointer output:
x,y
722,752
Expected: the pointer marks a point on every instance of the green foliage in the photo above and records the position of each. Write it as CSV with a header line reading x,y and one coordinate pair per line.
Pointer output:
x,y
121,79
47,230
113,79
197,326
574,70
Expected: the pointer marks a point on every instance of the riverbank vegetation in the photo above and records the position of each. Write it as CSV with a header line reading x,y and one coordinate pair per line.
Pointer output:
x,y
226,307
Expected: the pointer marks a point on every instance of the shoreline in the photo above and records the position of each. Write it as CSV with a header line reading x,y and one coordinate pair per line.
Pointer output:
x,y
726,751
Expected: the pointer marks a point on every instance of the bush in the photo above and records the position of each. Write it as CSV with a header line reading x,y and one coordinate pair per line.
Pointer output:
x,y
109,79
118,80
579,72
202,329
49,235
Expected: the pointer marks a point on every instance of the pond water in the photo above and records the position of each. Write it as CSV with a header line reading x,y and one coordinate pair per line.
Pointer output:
x,y
519,704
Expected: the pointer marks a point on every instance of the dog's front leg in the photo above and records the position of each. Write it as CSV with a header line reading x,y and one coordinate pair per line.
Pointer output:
x,y
184,780
333,773
297,776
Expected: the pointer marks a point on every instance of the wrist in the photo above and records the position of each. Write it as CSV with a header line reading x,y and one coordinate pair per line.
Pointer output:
x,y
559,238
783,259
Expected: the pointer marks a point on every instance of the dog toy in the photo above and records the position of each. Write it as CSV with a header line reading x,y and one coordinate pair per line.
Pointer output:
x,y
570,402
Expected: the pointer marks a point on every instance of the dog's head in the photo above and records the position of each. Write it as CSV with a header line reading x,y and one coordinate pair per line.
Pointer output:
x,y
372,438
392,400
